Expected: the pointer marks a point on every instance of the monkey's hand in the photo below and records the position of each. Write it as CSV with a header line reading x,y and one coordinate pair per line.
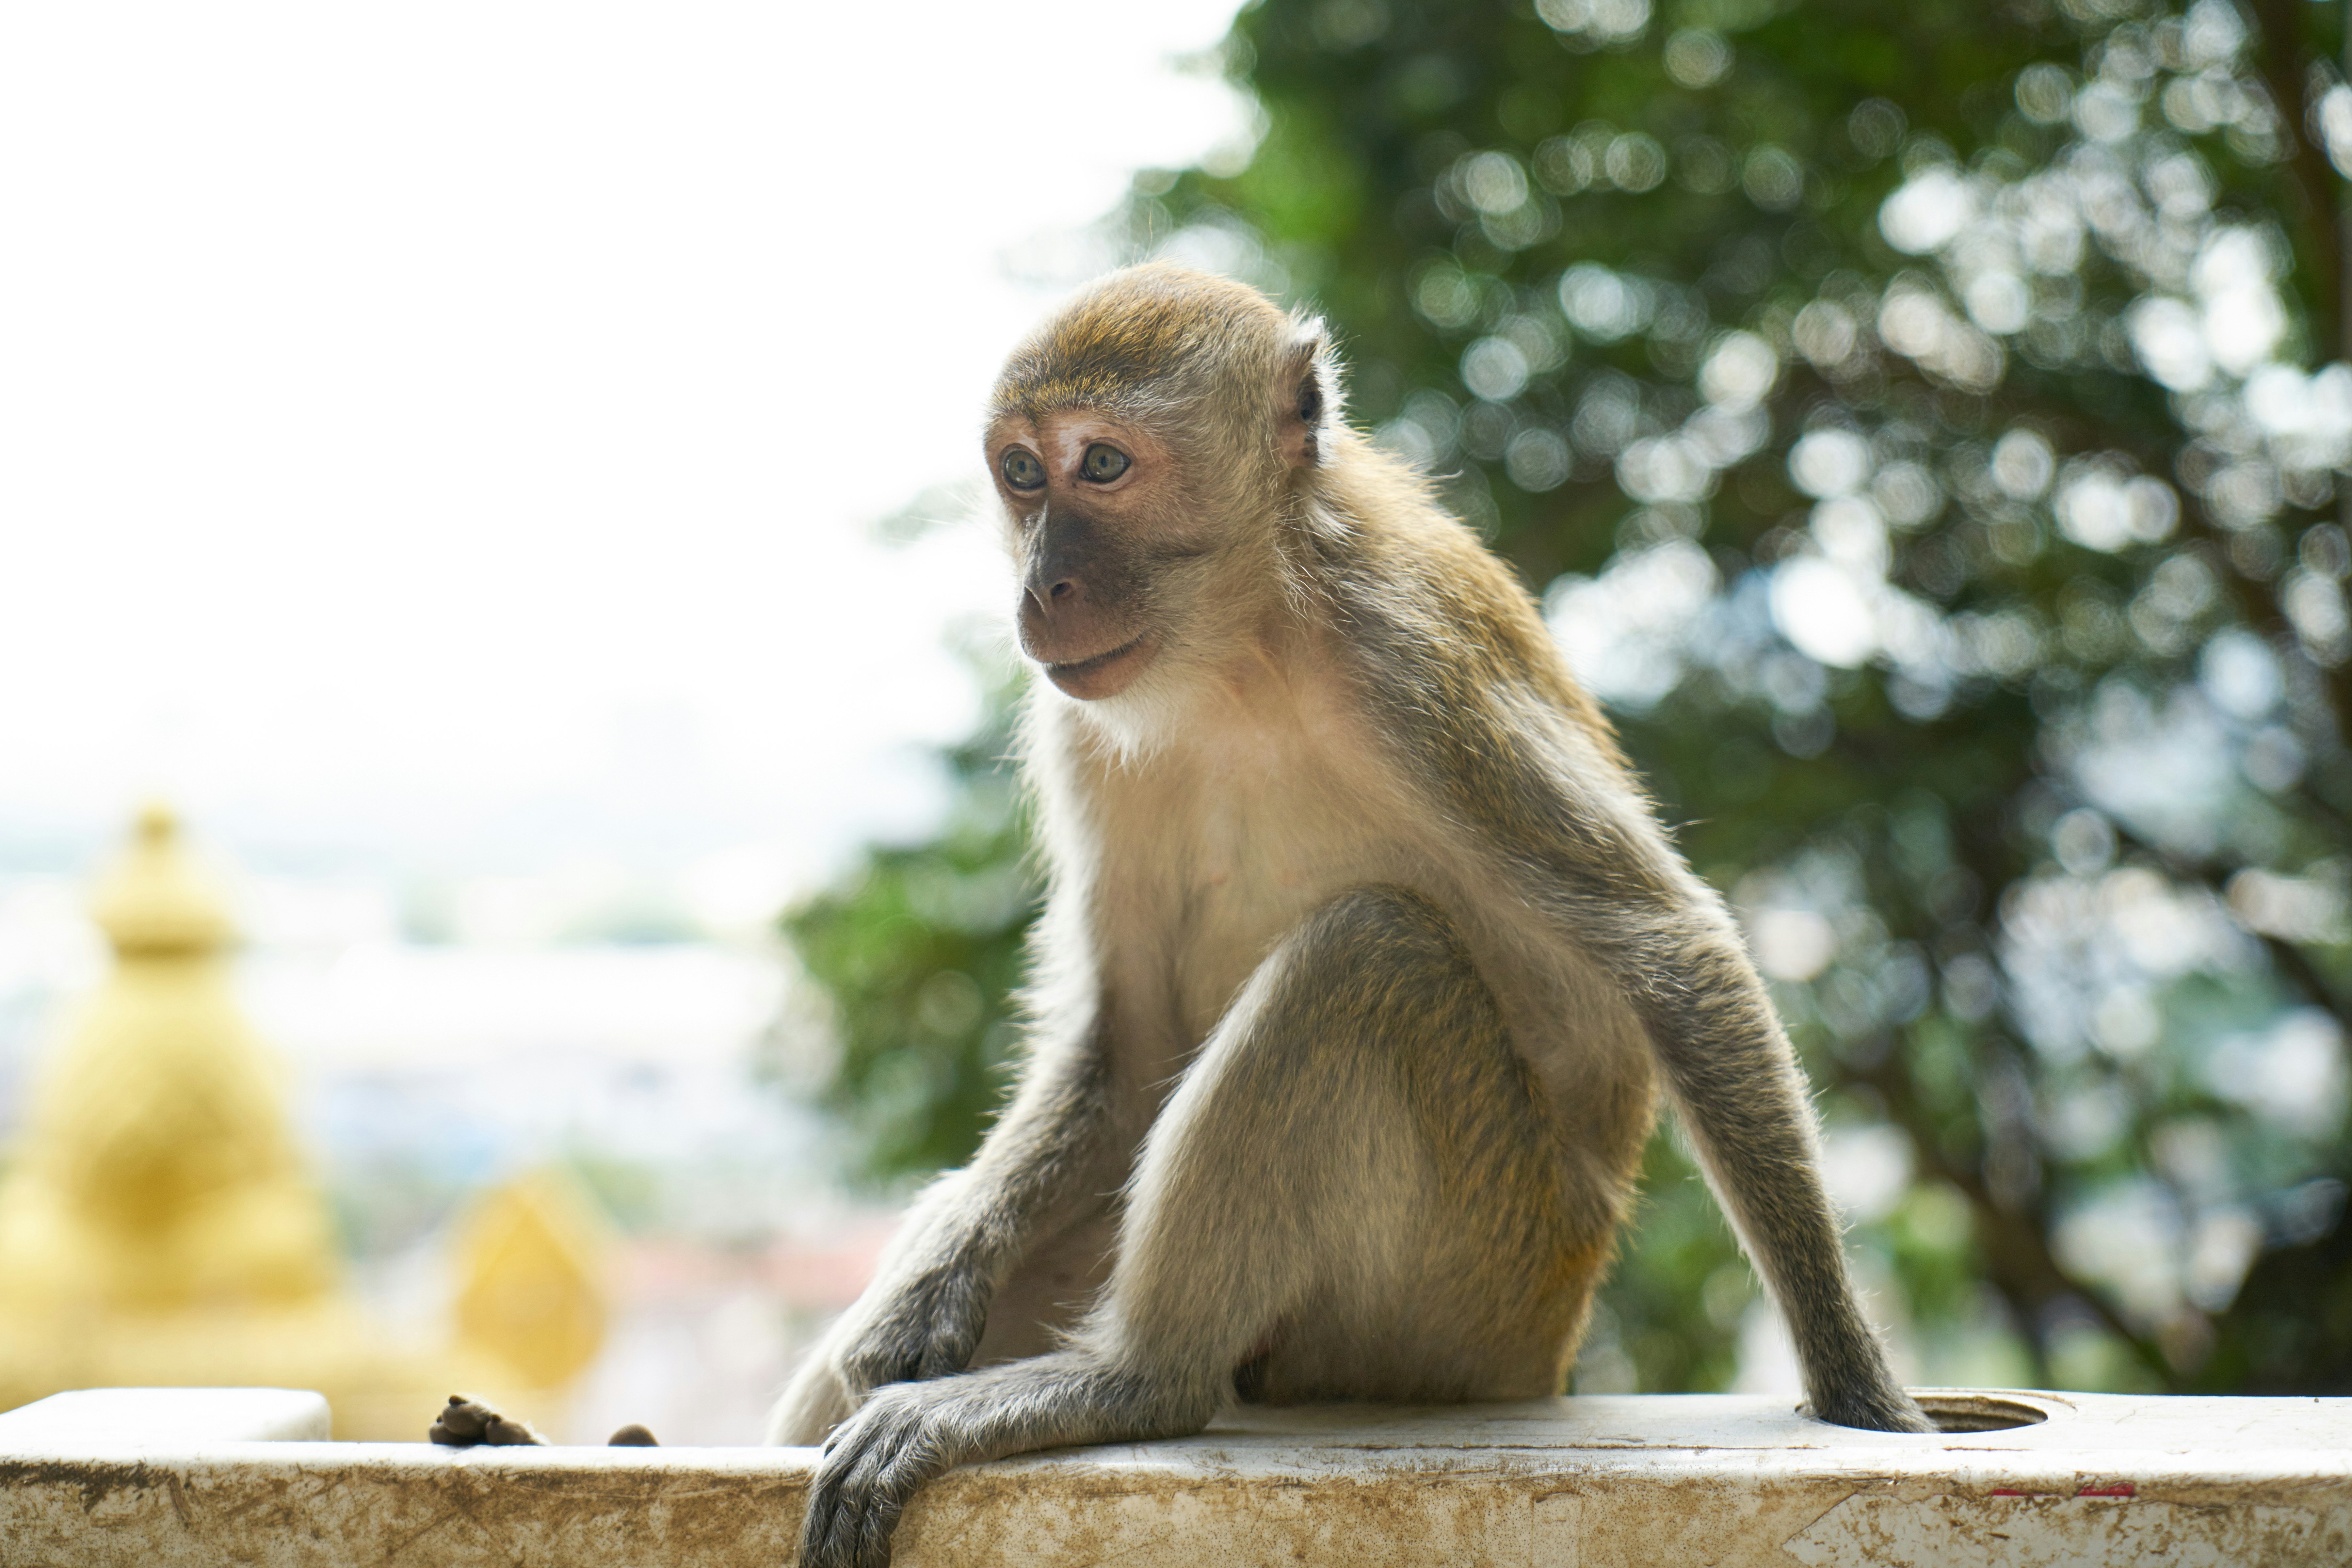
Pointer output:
x,y
925,1327
922,1325
908,1433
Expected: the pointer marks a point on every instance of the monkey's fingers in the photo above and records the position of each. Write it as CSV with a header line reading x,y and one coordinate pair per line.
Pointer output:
x,y
464,1422
868,1472
957,1321
929,1332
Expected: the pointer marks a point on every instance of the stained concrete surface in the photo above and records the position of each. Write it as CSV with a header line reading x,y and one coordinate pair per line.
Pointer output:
x,y
158,1477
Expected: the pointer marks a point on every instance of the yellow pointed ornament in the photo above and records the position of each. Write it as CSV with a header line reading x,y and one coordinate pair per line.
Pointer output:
x,y
159,1225
529,1302
159,1171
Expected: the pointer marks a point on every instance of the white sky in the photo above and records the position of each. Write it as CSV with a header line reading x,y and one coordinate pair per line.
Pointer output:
x,y
446,435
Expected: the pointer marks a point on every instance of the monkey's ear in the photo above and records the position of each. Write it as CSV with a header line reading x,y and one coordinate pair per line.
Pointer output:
x,y
1307,395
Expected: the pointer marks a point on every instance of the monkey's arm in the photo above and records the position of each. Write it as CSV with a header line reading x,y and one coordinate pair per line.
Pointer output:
x,y
1744,1104
1595,859
923,1314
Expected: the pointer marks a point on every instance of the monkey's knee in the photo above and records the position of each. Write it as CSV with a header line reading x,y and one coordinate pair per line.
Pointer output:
x,y
1382,960
1321,1070
1380,920
1350,994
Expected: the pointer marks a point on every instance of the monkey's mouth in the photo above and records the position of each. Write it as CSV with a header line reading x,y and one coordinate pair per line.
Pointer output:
x,y
1105,674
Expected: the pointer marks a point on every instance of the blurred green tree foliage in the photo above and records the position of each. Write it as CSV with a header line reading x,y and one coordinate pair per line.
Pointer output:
x,y
919,953
1924,426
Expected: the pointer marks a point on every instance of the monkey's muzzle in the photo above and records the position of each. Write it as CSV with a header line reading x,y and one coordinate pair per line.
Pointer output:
x,y
1105,674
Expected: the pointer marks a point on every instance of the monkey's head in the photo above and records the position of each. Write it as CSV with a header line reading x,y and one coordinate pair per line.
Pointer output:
x,y
1147,441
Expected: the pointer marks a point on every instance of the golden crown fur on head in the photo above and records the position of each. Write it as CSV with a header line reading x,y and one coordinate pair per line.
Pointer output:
x,y
1160,340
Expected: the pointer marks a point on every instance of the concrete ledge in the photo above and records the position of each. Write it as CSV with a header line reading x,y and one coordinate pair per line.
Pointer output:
x,y
135,1476
178,1416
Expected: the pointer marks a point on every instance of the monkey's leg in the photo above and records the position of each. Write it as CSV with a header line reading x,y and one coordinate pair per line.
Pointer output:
x,y
1352,1169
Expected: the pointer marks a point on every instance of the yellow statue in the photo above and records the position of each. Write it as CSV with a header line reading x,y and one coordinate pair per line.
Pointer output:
x,y
531,1306
158,1171
158,1225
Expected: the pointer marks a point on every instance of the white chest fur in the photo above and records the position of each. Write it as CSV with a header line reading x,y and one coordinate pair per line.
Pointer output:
x,y
1210,849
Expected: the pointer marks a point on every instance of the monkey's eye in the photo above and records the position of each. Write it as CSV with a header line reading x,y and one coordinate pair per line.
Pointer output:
x,y
1021,470
1103,464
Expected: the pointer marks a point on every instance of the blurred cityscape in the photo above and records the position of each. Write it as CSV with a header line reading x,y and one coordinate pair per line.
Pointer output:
x,y
568,1022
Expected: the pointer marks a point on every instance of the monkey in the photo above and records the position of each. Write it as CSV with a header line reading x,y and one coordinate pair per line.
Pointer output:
x,y
1363,958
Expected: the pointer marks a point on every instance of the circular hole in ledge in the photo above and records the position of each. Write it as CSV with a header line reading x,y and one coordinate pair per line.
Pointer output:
x,y
1958,1411
1962,1411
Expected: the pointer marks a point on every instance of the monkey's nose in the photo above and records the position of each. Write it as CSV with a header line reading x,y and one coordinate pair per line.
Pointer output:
x,y
1062,593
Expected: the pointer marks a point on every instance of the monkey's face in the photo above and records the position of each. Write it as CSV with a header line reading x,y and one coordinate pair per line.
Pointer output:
x,y
1099,530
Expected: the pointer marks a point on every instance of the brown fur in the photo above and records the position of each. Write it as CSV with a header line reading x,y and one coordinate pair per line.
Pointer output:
x,y
1362,958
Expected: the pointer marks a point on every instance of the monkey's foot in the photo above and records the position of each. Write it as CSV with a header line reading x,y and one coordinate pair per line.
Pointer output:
x,y
1883,1409
907,1433
901,1438
464,1422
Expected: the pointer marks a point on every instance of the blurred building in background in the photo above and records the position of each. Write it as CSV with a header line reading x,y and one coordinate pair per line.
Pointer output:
x,y
161,1223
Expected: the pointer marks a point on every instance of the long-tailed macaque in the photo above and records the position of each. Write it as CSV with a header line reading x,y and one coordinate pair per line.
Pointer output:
x,y
1362,957
1363,953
